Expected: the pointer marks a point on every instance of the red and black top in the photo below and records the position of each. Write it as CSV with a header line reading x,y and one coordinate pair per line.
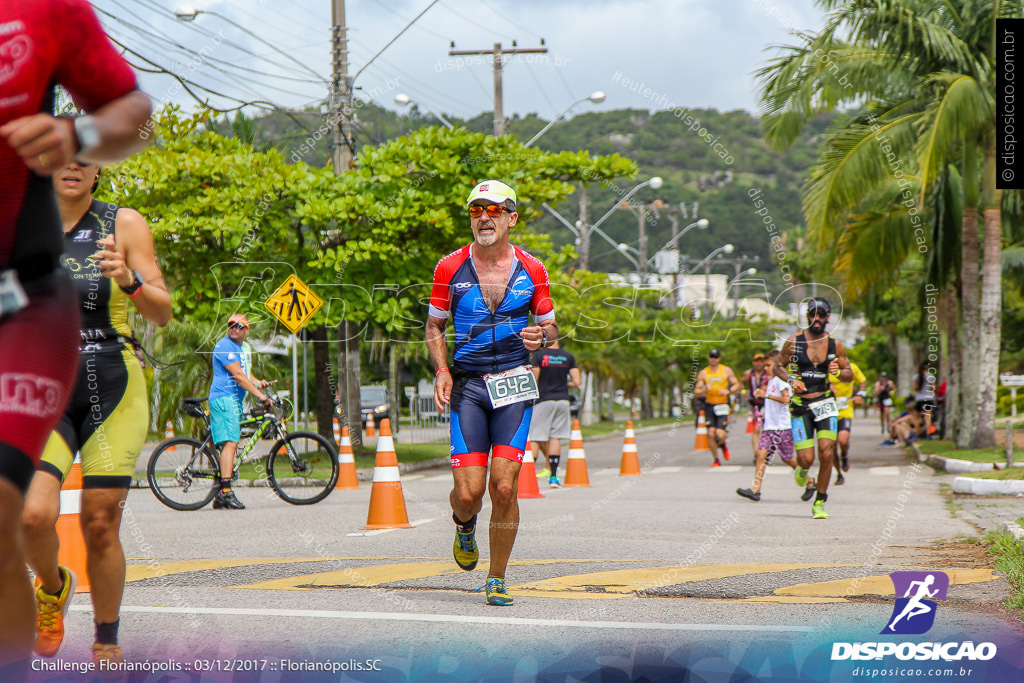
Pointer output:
x,y
44,43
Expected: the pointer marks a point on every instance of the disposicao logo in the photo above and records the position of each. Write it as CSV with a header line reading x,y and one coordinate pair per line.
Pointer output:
x,y
914,614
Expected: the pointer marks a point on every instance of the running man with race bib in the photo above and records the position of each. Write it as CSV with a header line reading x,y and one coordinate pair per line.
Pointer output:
x,y
714,385
814,355
489,288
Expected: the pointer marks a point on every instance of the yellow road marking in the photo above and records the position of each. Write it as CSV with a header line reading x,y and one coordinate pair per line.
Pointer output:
x,y
786,599
878,585
626,581
155,568
365,577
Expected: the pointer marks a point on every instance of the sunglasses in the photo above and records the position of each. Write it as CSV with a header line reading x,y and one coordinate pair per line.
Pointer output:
x,y
817,313
493,210
237,326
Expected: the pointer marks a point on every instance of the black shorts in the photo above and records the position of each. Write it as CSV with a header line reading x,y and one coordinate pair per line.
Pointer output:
x,y
924,406
844,424
715,421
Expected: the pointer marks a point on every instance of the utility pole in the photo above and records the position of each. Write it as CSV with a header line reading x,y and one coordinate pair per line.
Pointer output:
x,y
584,229
349,372
496,58
642,245
341,91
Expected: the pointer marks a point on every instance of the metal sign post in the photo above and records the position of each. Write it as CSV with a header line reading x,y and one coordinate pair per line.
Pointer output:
x,y
1011,381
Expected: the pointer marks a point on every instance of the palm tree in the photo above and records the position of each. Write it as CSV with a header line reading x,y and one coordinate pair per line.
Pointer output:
x,y
925,69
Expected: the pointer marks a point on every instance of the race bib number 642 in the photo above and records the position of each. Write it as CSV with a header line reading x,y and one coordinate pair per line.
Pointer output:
x,y
511,386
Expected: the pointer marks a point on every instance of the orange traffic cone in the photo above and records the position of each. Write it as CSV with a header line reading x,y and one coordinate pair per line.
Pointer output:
x,y
387,502
371,428
750,422
528,477
169,434
576,462
337,433
630,466
347,478
69,527
701,445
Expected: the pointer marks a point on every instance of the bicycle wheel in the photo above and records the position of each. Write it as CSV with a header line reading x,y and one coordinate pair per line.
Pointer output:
x,y
182,474
303,468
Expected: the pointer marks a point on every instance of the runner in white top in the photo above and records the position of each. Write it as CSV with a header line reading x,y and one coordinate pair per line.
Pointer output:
x,y
776,431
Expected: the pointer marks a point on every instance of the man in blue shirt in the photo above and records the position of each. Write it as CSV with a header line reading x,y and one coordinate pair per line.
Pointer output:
x,y
232,378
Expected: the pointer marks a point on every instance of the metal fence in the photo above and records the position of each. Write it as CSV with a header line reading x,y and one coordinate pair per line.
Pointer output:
x,y
425,424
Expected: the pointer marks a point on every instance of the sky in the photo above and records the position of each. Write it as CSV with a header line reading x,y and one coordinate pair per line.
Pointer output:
x,y
640,53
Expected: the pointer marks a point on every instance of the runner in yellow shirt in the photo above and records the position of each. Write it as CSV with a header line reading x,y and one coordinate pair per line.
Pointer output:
x,y
846,397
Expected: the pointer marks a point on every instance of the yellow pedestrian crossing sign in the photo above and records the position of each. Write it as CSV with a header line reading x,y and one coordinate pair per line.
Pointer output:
x,y
294,303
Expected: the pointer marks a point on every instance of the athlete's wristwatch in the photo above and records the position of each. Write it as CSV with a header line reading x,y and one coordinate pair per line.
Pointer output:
x,y
135,286
86,133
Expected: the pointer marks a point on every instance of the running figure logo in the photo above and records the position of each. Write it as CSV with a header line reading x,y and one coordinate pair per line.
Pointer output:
x,y
914,613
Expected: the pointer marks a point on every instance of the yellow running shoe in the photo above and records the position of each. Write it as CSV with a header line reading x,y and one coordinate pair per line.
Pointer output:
x,y
465,549
497,594
106,654
800,474
818,510
50,611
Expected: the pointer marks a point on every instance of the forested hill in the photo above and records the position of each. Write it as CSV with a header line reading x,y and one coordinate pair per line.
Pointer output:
x,y
709,158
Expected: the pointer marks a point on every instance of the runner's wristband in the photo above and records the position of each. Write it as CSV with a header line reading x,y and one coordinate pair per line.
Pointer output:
x,y
440,370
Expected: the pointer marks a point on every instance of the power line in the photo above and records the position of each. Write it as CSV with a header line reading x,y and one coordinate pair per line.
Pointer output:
x,y
209,58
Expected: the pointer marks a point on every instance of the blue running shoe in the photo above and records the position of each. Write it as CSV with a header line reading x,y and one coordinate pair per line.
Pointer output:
x,y
497,594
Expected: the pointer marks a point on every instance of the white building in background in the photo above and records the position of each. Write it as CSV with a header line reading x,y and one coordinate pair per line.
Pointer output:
x,y
749,297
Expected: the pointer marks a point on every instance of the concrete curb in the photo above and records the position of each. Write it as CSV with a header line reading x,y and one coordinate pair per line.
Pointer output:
x,y
971,485
955,466
988,487
1016,531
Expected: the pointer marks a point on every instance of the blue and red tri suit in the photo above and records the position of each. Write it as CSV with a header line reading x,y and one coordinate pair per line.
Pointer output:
x,y
42,43
486,342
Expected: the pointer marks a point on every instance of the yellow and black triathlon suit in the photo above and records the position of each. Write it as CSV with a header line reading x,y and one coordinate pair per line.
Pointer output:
x,y
108,412
820,414
716,400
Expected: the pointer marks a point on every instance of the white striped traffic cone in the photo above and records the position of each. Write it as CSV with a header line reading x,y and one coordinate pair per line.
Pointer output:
x,y
347,478
630,466
71,553
576,462
387,502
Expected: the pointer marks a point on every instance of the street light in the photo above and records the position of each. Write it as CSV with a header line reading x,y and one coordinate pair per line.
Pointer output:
x,y
706,262
190,13
596,97
624,249
735,293
404,100
582,228
655,182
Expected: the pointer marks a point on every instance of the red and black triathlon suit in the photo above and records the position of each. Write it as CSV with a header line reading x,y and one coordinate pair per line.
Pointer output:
x,y
42,43
486,342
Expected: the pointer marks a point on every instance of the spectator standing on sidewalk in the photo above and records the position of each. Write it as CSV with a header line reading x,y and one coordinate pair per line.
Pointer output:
x,y
556,372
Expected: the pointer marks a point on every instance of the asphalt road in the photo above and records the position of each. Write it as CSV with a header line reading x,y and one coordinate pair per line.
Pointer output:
x,y
670,570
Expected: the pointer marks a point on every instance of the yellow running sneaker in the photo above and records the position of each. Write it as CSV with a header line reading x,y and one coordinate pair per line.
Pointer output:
x,y
106,654
800,474
465,549
50,611
497,594
818,510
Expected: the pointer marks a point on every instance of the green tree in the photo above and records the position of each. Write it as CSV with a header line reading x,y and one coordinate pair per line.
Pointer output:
x,y
926,70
